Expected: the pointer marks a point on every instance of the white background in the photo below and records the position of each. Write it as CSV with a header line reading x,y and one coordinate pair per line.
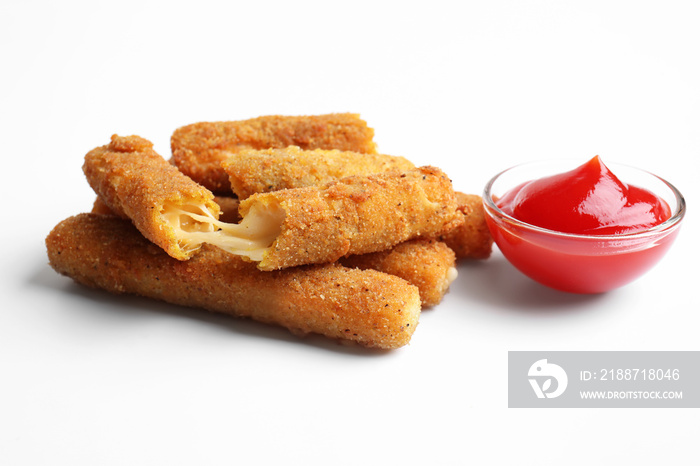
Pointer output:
x,y
473,87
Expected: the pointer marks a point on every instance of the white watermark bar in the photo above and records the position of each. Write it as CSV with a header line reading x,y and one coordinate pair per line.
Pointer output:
x,y
604,379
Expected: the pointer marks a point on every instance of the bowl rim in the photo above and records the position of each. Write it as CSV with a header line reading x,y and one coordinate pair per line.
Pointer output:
x,y
673,221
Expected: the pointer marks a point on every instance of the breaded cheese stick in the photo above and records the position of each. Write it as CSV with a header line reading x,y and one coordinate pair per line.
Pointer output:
x,y
471,239
167,207
253,171
369,307
134,182
261,171
198,149
426,263
354,215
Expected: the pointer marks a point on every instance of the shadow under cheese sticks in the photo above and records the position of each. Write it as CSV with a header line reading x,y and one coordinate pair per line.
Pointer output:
x,y
198,149
261,171
365,306
355,215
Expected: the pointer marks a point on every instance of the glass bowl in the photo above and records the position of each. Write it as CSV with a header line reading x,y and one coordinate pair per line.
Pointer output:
x,y
580,263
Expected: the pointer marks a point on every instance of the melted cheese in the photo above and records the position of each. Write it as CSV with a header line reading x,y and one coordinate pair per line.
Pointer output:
x,y
450,276
194,225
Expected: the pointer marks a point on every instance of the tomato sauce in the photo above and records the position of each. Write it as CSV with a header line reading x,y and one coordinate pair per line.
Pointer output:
x,y
576,229
588,200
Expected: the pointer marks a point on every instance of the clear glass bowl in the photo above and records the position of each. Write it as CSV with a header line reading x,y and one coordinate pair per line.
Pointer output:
x,y
580,263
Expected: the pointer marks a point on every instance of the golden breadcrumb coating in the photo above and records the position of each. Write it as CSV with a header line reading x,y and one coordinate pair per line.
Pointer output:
x,y
471,239
426,263
356,215
365,306
135,182
198,149
261,171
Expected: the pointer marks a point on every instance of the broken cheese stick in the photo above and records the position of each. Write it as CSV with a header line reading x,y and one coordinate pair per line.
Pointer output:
x,y
134,182
198,149
300,226
253,171
425,263
354,215
261,171
168,207
365,306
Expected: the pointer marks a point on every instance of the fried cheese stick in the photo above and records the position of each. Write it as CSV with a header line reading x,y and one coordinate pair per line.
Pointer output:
x,y
253,171
279,229
261,171
426,263
134,182
471,239
198,149
365,306
355,215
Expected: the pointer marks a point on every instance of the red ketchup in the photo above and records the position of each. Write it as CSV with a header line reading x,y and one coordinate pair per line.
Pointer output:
x,y
589,200
577,229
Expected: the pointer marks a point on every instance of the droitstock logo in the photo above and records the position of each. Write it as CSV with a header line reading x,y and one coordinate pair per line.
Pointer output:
x,y
541,375
603,379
